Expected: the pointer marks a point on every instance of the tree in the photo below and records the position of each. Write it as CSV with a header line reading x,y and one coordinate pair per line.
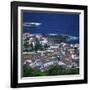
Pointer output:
x,y
59,70
55,70
45,46
30,72
26,46
32,47
38,46
27,71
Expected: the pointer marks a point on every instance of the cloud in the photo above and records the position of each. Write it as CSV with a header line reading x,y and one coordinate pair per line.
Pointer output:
x,y
53,34
32,24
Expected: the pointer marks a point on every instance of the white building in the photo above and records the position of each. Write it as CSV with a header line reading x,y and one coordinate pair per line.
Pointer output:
x,y
48,64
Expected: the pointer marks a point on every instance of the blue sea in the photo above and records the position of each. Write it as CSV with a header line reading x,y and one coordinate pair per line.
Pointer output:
x,y
73,41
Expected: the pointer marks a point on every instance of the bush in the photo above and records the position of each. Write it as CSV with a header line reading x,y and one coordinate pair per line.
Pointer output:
x,y
29,72
53,70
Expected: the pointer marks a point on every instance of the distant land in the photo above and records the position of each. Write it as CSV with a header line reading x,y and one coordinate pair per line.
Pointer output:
x,y
60,37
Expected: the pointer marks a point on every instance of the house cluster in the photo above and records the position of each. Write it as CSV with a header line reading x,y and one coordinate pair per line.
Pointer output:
x,y
63,54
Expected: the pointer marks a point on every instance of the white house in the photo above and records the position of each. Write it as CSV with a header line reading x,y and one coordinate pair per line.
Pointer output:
x,y
48,63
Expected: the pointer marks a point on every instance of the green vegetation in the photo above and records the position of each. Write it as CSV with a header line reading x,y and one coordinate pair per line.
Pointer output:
x,y
38,46
53,70
29,72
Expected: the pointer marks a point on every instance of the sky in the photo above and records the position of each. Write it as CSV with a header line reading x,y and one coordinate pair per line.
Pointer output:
x,y
46,23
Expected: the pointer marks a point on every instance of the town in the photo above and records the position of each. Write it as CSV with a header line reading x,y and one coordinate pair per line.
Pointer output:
x,y
41,52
